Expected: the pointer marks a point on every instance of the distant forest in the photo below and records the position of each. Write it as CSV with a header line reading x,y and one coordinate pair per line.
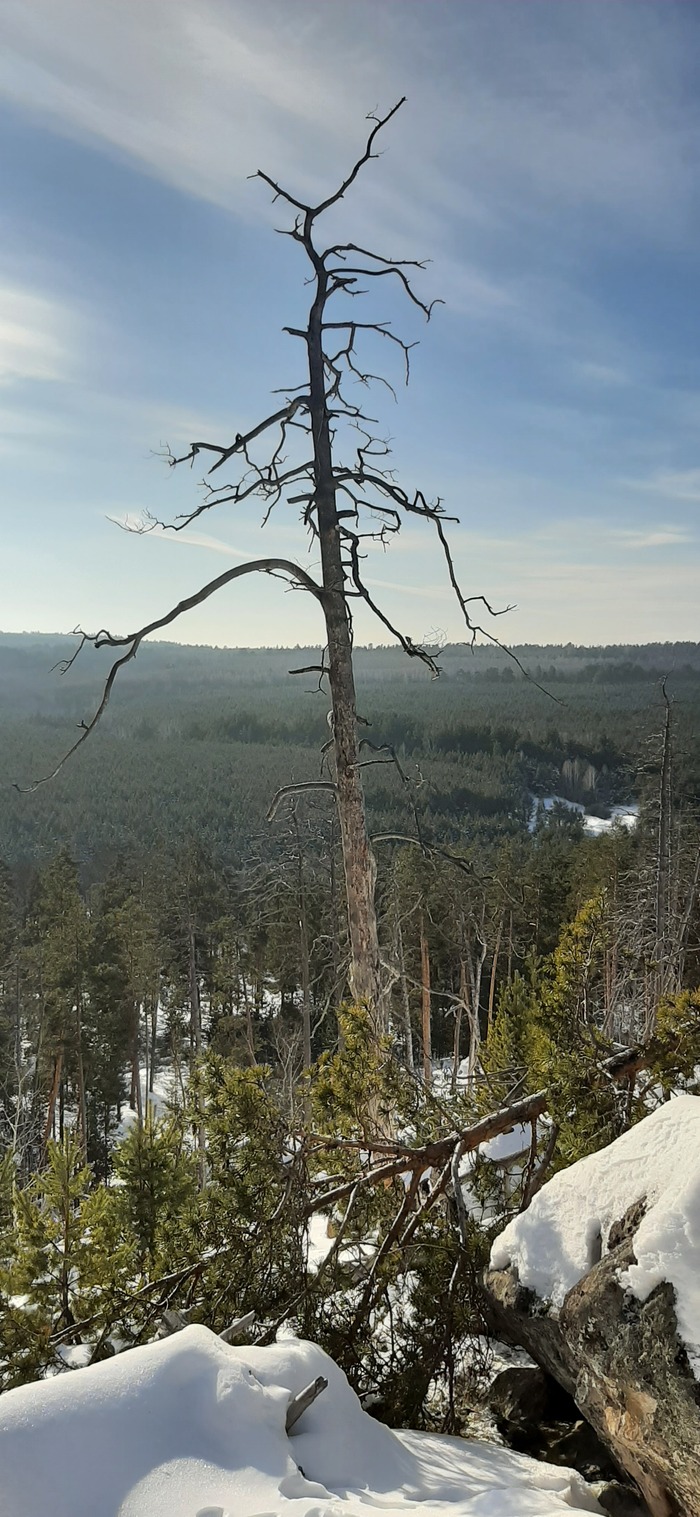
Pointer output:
x,y
197,741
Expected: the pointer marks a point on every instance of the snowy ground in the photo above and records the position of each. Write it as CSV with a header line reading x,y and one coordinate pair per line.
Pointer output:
x,y
625,816
556,1241
189,1427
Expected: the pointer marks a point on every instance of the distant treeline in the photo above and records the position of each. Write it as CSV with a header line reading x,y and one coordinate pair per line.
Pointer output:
x,y
196,742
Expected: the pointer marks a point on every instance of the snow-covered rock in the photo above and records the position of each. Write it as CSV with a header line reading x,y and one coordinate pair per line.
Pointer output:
x,y
189,1427
600,1281
566,1229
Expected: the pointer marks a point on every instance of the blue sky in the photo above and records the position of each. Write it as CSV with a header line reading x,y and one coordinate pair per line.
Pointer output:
x,y
547,161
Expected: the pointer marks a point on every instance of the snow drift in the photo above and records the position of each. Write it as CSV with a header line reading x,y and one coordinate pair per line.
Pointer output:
x,y
556,1241
189,1427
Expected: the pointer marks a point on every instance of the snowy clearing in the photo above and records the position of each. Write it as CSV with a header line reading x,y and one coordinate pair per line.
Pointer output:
x,y
622,816
554,1244
189,1427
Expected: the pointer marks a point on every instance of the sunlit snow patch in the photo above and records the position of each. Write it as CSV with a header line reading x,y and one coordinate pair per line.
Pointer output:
x,y
189,1427
551,1245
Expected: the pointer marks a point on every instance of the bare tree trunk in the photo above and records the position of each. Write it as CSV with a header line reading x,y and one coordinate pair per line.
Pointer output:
x,y
476,968
455,1044
425,1004
358,859
51,1109
195,1007
663,862
303,951
82,1104
684,923
154,1040
406,1000
135,1095
196,1033
242,981
492,982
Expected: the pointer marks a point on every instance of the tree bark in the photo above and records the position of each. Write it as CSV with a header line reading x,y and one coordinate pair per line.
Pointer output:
x,y
82,1103
406,1000
358,859
492,982
303,951
459,1008
196,1021
51,1110
425,1002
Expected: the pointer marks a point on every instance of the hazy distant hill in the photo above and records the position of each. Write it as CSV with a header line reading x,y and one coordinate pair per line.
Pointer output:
x,y
29,681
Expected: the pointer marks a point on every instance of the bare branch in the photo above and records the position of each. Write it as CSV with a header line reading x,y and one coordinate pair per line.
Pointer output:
x,y
300,789
132,641
345,277
243,440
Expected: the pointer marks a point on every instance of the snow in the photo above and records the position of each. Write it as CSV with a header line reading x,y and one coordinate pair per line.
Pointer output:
x,y
189,1427
319,1243
625,816
507,1145
556,1241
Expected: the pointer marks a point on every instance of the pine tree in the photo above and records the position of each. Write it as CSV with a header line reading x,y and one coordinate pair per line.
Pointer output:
x,y
53,1280
58,934
157,1191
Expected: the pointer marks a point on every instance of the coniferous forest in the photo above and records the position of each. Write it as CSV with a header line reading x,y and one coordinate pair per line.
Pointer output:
x,y
197,1124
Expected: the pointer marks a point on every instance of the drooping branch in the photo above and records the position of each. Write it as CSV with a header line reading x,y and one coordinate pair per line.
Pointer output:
x,y
131,641
303,788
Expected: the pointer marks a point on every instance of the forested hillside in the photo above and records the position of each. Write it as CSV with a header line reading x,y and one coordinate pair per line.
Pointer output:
x,y
197,741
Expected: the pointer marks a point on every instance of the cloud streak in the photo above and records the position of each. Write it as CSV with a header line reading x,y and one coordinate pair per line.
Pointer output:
x,y
577,106
35,340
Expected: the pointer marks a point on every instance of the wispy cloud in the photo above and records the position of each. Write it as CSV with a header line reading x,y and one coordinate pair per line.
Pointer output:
x,y
674,484
131,521
665,538
34,337
576,105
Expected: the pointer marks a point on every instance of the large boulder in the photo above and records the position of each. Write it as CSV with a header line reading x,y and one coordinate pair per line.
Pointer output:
x,y
535,1416
600,1279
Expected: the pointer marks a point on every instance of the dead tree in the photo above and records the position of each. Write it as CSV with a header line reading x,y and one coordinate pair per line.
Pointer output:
x,y
345,503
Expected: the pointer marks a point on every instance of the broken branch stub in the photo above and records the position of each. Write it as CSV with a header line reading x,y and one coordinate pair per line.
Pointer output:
x,y
303,1400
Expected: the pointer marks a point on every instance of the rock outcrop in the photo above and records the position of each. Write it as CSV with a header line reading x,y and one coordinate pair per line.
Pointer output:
x,y
535,1416
624,1365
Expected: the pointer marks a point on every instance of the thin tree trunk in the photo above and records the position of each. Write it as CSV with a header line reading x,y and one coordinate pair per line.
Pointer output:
x,y
492,982
154,1040
684,924
661,904
303,952
425,1006
82,1104
135,1095
249,1025
476,968
455,1045
406,1000
58,1064
196,1035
